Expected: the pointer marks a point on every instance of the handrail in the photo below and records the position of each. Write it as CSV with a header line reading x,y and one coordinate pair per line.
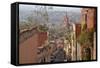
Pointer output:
x,y
26,33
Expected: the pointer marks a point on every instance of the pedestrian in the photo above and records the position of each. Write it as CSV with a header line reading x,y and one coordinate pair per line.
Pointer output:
x,y
59,55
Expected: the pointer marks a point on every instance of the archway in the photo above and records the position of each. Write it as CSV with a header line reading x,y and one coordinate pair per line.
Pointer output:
x,y
86,55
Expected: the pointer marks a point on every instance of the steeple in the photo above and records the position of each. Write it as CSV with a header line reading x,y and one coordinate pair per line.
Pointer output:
x,y
66,20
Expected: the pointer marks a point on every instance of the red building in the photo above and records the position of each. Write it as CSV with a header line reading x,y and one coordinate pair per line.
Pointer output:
x,y
88,20
78,30
89,17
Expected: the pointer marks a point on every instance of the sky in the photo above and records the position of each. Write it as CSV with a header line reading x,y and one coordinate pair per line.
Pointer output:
x,y
55,13
55,8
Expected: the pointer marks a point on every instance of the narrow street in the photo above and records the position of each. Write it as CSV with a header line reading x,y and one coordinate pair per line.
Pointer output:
x,y
51,36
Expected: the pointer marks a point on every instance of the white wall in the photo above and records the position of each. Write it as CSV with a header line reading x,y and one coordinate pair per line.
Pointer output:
x,y
5,34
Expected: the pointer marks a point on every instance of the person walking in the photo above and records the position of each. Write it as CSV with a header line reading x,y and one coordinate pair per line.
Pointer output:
x,y
59,55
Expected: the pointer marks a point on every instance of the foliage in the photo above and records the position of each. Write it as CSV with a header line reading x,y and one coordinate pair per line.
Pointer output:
x,y
86,37
42,28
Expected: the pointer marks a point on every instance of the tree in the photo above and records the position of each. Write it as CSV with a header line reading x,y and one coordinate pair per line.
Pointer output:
x,y
86,37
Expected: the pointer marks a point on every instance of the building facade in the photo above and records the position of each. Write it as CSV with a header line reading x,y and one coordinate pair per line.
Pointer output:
x,y
88,26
